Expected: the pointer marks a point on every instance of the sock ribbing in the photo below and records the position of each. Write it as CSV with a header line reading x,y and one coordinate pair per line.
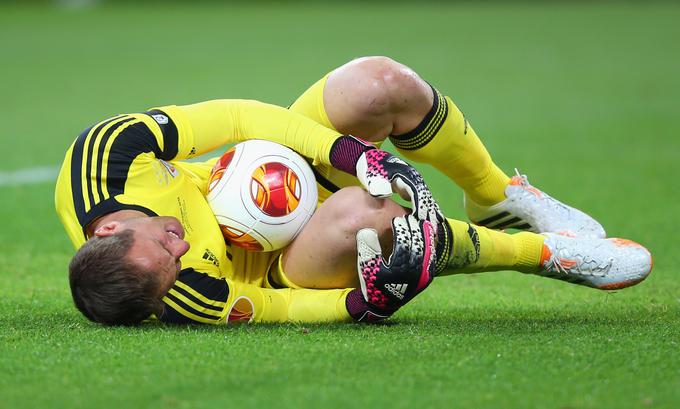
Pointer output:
x,y
426,130
445,139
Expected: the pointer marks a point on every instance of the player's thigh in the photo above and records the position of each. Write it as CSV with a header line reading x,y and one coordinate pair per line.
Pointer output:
x,y
324,254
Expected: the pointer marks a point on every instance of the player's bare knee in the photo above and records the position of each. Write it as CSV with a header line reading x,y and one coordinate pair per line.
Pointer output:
x,y
386,87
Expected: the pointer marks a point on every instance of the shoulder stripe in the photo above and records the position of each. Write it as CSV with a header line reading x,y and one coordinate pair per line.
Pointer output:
x,y
76,171
101,139
101,152
76,168
129,143
88,167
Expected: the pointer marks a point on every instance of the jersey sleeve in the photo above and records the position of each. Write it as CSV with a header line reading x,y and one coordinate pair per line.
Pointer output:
x,y
200,298
208,125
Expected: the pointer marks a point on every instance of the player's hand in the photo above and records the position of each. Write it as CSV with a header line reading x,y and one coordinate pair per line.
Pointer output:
x,y
382,174
388,284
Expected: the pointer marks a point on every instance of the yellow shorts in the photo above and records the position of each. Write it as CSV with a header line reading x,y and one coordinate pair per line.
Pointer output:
x,y
311,105
260,269
252,267
276,277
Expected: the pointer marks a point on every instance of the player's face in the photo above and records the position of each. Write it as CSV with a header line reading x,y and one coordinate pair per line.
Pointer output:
x,y
158,247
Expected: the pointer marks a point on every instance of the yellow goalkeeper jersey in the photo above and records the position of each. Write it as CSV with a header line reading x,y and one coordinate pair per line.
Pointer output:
x,y
134,162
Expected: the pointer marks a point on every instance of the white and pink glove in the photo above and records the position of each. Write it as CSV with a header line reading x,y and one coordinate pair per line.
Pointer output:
x,y
383,174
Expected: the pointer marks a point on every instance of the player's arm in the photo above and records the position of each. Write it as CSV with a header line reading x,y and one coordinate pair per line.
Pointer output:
x,y
386,286
104,164
208,125
200,298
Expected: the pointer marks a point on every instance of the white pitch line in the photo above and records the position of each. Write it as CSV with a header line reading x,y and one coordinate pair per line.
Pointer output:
x,y
29,176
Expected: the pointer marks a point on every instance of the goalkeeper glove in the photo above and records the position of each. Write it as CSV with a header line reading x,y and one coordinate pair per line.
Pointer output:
x,y
386,285
382,173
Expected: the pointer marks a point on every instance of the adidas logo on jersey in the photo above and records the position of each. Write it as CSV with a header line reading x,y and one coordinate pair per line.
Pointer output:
x,y
210,256
397,289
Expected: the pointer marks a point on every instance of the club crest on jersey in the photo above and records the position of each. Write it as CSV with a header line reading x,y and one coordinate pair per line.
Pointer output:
x,y
170,168
242,310
161,119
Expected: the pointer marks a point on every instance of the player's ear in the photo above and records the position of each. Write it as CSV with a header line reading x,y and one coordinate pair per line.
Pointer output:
x,y
108,229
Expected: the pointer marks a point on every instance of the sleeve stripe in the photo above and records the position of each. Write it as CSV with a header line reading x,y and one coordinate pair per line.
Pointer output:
x,y
76,169
89,153
198,309
136,138
211,290
187,310
198,298
178,310
102,152
191,298
195,306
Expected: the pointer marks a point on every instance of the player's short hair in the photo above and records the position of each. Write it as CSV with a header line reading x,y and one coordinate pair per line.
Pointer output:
x,y
107,287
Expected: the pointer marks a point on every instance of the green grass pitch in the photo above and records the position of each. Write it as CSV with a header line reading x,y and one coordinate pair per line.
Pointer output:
x,y
583,98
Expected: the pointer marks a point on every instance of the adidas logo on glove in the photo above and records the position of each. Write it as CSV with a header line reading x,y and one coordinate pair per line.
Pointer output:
x,y
397,289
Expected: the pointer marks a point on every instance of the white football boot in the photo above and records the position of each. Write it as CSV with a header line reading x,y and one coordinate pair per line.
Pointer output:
x,y
607,264
528,208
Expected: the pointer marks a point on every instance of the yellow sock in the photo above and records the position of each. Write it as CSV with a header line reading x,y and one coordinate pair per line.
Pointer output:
x,y
466,248
445,140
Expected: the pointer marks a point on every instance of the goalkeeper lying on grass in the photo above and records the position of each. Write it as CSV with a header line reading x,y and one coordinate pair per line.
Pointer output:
x,y
149,247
